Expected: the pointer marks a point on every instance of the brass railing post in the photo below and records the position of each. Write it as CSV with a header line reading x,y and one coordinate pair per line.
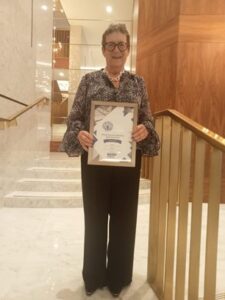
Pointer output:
x,y
172,209
163,200
196,220
212,224
154,212
183,213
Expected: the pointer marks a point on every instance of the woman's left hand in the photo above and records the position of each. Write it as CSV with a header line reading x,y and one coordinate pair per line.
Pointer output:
x,y
140,133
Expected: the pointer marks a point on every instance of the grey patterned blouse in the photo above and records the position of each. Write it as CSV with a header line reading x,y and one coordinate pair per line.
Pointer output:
x,y
97,86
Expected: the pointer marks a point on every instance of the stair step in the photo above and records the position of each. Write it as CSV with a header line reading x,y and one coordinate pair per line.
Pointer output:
x,y
55,181
58,185
47,184
53,172
54,199
58,162
43,199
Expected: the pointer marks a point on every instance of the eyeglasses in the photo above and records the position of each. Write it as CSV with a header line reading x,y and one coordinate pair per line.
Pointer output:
x,y
111,46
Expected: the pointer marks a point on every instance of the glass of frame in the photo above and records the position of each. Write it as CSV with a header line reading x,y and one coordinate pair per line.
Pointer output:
x,y
111,124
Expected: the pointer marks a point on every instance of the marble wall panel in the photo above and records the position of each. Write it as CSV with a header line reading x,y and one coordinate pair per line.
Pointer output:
x,y
25,72
42,41
9,108
21,144
17,61
75,34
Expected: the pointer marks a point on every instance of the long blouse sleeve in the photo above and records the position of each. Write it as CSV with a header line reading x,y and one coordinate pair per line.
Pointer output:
x,y
151,144
75,122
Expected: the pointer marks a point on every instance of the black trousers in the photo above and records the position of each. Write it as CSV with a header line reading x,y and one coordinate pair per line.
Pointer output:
x,y
110,199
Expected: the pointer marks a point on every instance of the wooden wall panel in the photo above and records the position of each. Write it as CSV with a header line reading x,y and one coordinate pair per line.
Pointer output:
x,y
199,7
202,29
181,54
156,13
159,38
159,69
157,50
200,84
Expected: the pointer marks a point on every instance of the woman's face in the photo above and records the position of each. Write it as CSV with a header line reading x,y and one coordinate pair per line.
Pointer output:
x,y
115,58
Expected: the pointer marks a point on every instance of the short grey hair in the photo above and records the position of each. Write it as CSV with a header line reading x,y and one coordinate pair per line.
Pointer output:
x,y
116,28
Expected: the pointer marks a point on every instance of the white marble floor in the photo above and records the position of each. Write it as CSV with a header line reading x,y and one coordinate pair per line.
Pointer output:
x,y
41,256
41,249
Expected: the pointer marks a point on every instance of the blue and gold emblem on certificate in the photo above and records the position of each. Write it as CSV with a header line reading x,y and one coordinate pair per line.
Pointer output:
x,y
107,126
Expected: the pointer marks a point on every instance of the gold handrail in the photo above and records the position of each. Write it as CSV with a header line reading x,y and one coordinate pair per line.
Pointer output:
x,y
13,100
212,138
5,122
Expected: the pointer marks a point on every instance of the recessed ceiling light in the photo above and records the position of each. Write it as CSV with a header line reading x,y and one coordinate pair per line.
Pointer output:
x,y
40,44
44,7
61,74
108,9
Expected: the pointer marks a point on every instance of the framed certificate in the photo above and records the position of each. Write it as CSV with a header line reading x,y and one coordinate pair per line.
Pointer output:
x,y
111,124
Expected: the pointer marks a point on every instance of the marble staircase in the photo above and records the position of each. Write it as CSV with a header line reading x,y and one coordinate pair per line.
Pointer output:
x,y
55,182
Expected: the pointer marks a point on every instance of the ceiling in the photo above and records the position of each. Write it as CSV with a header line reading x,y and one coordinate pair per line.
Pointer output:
x,y
122,10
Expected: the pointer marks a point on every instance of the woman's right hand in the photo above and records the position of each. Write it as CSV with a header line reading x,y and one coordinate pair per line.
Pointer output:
x,y
85,139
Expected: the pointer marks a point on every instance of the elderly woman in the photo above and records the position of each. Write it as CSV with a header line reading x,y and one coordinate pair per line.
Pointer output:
x,y
110,194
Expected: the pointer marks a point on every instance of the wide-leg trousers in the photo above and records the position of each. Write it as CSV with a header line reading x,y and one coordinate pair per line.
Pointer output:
x,y
110,199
